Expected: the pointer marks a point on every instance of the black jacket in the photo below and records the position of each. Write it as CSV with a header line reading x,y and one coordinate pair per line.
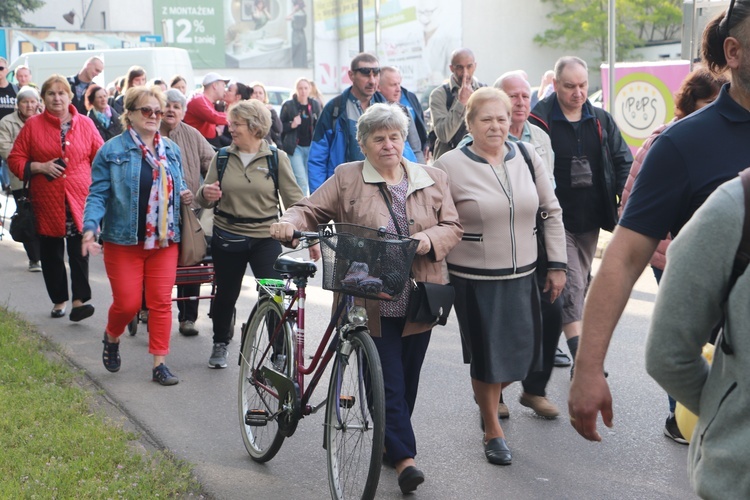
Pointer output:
x,y
616,155
288,112
115,127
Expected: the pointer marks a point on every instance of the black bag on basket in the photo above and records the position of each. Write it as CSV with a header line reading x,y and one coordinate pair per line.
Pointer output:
x,y
430,303
23,222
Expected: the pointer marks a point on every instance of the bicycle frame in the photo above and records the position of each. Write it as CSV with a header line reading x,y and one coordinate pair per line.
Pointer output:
x,y
320,359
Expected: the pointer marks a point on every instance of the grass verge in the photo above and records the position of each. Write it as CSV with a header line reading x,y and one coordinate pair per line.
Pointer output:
x,y
53,444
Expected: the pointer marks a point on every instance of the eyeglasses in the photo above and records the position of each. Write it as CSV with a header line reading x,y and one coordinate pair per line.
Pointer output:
x,y
724,24
149,112
368,71
2,68
237,124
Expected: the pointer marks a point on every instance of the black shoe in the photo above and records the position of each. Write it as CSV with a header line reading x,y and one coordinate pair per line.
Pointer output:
x,y
57,313
497,452
81,312
409,479
672,431
561,359
111,355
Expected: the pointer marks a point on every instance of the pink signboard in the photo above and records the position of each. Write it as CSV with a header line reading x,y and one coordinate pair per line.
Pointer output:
x,y
643,96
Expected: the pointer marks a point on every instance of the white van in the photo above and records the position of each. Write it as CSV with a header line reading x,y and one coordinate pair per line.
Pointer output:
x,y
159,62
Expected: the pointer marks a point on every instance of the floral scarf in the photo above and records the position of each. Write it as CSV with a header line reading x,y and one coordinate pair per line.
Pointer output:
x,y
160,209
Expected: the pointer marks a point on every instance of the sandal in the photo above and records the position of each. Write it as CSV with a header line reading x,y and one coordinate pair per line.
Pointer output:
x,y
111,355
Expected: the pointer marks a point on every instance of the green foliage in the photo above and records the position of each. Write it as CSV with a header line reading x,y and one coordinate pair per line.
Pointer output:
x,y
54,445
584,23
11,12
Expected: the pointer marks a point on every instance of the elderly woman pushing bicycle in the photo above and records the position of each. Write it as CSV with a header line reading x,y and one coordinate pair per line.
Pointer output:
x,y
385,190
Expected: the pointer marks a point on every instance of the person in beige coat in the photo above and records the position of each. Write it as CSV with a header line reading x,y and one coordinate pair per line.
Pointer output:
x,y
197,154
421,203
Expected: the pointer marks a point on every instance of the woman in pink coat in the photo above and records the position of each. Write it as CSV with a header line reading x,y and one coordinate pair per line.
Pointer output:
x,y
55,150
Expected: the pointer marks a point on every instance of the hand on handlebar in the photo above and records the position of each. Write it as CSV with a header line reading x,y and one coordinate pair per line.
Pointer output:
x,y
284,232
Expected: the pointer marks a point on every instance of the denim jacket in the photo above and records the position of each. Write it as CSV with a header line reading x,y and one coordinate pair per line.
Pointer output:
x,y
112,202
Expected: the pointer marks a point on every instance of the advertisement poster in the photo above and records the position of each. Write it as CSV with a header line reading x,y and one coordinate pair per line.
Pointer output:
x,y
21,41
237,33
644,96
417,36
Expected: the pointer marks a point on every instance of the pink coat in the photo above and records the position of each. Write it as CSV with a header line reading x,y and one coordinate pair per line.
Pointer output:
x,y
659,259
39,141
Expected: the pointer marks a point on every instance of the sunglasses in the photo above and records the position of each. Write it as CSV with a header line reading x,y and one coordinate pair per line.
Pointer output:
x,y
724,24
368,71
149,112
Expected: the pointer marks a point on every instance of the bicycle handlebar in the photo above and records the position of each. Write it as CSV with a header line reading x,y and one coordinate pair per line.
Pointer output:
x,y
305,235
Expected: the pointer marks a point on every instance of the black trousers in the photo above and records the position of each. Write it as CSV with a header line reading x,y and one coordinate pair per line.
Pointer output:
x,y
31,247
188,309
536,382
401,359
229,268
52,255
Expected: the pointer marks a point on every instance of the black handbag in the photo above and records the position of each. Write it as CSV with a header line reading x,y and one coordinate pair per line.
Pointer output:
x,y
23,222
430,303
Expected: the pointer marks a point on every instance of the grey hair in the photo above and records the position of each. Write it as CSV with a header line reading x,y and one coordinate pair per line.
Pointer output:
x,y
565,61
509,75
381,116
27,92
174,95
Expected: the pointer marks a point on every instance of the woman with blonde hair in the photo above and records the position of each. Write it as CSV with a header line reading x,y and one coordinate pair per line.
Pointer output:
x,y
259,93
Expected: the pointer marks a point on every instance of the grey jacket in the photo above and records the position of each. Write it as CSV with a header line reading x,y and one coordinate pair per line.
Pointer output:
x,y
688,305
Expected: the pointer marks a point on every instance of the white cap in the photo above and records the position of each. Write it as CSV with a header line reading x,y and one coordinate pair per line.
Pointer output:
x,y
213,77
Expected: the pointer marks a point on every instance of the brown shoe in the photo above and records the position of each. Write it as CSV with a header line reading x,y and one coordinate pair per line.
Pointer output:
x,y
502,410
540,405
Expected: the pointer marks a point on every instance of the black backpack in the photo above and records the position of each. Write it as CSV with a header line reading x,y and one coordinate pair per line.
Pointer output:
x,y
273,172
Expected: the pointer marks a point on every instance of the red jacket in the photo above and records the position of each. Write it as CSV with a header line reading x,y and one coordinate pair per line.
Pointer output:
x,y
39,141
201,114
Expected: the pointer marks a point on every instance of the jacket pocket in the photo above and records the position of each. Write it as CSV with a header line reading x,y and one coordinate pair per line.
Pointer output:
x,y
119,162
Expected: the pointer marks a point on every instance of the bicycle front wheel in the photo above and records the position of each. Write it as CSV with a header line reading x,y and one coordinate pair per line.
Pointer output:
x,y
355,419
257,405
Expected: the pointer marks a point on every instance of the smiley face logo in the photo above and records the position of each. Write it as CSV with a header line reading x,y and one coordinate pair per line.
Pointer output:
x,y
642,103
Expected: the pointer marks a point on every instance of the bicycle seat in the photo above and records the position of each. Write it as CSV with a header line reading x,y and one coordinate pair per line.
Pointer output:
x,y
292,267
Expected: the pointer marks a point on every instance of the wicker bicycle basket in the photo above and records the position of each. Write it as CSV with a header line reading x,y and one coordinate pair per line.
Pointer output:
x,y
365,262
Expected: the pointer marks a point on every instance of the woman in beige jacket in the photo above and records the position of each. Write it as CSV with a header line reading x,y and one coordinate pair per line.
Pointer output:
x,y
423,208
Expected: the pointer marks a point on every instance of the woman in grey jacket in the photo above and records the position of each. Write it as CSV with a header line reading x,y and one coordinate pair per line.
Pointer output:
x,y
492,267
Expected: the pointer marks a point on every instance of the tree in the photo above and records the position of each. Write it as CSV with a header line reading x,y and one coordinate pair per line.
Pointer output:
x,y
11,12
584,23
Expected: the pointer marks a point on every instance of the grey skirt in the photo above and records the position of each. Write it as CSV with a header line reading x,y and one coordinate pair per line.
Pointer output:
x,y
501,327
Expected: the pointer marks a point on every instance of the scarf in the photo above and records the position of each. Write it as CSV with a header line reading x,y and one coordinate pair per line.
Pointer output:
x,y
160,209
103,118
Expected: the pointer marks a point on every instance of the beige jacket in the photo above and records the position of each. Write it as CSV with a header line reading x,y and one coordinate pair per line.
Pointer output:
x,y
499,240
249,192
352,196
197,154
10,126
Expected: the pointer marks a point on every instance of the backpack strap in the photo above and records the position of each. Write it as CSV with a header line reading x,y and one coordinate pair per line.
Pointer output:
x,y
273,172
527,158
741,259
221,163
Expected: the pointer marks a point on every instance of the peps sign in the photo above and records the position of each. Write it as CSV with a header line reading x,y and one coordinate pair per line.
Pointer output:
x,y
644,96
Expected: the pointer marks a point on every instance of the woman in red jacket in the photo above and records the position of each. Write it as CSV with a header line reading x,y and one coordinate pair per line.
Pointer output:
x,y
56,149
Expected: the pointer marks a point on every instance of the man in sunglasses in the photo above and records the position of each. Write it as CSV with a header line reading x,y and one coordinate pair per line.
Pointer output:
x,y
8,93
334,140
448,102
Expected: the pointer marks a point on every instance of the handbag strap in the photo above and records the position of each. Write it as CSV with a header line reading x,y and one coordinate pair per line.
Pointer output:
x,y
390,209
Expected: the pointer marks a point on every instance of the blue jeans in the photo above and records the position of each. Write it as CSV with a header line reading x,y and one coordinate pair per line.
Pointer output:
x,y
299,167
5,173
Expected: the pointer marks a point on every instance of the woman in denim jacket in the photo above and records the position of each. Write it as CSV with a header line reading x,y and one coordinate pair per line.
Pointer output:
x,y
133,201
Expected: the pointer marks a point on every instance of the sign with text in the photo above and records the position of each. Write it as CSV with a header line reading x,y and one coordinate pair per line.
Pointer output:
x,y
194,25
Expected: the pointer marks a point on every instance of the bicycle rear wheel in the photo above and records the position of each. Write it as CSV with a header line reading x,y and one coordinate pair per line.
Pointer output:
x,y
260,431
355,419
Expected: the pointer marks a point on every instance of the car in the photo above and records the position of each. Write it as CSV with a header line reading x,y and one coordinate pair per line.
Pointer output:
x,y
597,99
277,96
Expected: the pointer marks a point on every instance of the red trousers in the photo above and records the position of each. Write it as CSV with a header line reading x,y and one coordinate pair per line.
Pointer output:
x,y
132,271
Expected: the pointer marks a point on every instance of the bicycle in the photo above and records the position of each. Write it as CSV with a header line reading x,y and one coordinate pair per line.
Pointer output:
x,y
273,398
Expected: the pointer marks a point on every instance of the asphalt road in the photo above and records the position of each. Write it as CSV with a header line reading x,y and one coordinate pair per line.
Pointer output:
x,y
197,420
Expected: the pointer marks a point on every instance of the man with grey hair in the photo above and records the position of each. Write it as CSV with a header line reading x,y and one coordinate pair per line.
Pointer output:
x,y
394,93
81,81
448,102
197,154
592,162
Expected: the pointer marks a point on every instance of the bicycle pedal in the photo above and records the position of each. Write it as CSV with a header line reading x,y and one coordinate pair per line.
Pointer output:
x,y
346,402
256,418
